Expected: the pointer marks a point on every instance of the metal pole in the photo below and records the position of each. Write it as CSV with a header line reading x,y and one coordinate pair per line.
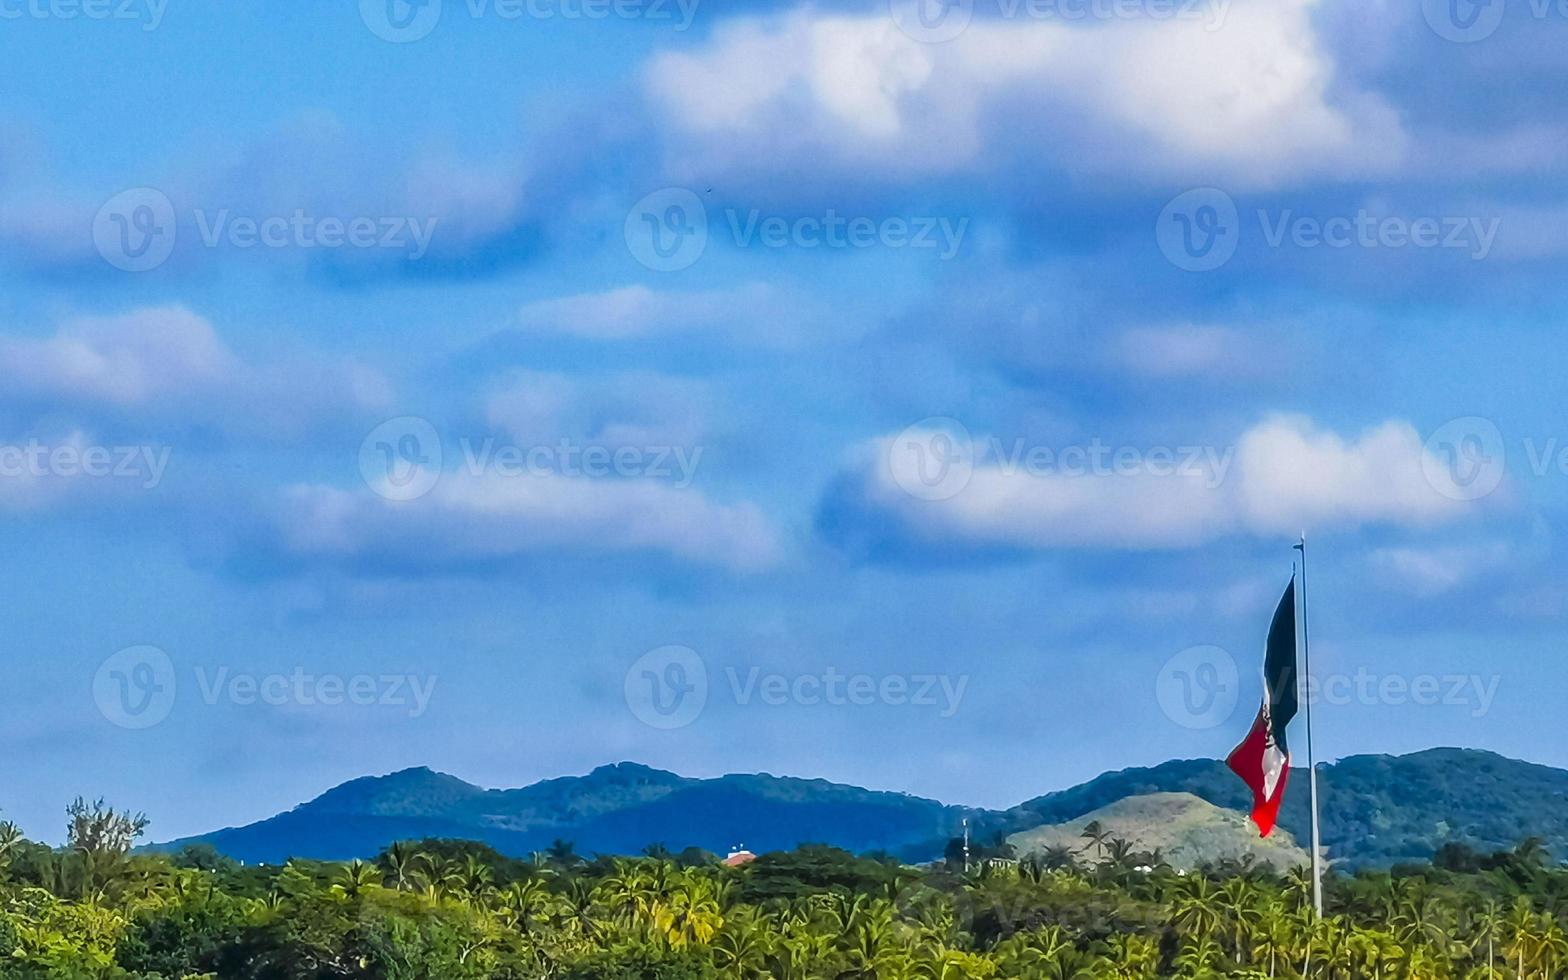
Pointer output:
x,y
1312,768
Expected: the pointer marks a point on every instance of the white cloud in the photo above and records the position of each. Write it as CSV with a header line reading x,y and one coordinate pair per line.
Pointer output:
x,y
1290,475
475,518
1253,100
121,360
74,472
167,367
761,311
1283,475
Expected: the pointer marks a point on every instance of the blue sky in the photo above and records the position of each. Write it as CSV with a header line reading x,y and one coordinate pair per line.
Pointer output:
x,y
805,388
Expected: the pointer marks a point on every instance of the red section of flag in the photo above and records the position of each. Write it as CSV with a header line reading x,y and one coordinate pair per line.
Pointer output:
x,y
1255,760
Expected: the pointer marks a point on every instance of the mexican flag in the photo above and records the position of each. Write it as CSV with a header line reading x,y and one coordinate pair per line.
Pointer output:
x,y
1262,759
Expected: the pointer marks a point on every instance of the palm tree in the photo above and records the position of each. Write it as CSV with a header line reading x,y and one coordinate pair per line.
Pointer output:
x,y
742,946
1096,835
1059,857
1274,936
526,904
402,862
1524,935
1200,957
354,878
440,876
1119,850
476,877
692,916
1198,909
1239,901
563,853
1487,925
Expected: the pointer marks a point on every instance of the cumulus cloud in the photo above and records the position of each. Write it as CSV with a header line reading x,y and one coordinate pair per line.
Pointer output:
x,y
1291,475
125,360
1282,476
1254,100
471,520
163,367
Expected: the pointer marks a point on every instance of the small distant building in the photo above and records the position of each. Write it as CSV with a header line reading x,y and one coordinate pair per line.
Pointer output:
x,y
739,856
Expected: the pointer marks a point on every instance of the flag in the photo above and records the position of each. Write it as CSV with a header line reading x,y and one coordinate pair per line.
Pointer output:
x,y
1262,760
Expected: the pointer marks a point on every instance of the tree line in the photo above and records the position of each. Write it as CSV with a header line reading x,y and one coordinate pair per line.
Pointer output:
x,y
455,910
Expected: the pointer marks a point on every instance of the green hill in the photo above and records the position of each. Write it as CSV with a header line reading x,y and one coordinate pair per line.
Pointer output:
x,y
1377,810
617,809
1186,830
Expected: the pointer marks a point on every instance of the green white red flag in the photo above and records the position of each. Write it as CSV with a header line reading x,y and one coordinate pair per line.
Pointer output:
x,y
1262,759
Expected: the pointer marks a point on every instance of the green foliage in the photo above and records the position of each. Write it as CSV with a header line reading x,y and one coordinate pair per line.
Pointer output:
x,y
454,910
640,963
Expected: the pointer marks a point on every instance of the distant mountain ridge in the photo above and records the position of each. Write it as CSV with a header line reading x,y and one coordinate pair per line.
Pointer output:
x,y
617,809
1377,810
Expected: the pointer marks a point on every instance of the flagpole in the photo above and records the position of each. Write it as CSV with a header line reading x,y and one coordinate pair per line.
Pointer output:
x,y
1312,767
